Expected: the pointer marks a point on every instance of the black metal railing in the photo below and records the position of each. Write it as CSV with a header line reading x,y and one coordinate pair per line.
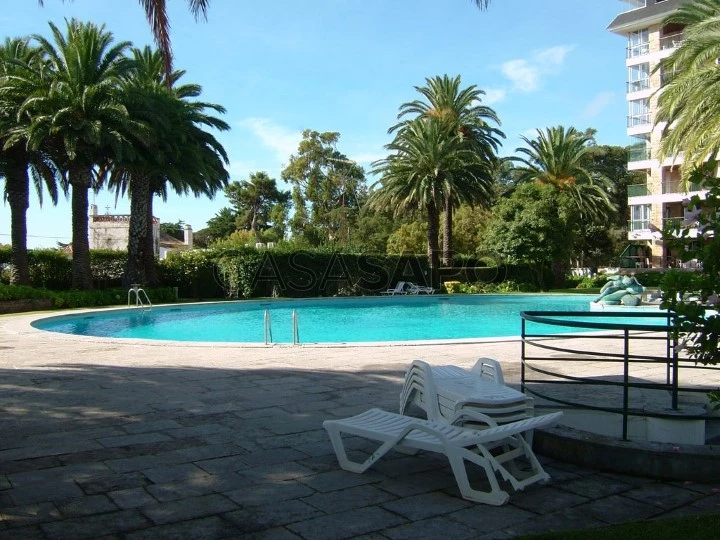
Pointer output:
x,y
615,343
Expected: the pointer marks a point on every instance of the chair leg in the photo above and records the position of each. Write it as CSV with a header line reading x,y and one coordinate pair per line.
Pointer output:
x,y
457,458
355,466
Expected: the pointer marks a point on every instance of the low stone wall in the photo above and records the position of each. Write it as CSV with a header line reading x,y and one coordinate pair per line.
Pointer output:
x,y
20,306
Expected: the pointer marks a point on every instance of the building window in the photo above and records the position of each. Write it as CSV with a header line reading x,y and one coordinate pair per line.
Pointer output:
x,y
640,217
639,112
638,77
638,43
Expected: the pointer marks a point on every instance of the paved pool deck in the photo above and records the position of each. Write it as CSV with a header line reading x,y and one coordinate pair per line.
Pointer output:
x,y
117,439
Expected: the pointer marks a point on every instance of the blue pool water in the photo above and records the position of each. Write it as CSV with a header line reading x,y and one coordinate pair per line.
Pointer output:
x,y
335,320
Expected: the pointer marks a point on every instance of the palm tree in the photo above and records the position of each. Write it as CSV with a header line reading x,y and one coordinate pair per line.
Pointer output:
x,y
174,150
426,160
79,114
689,101
559,157
462,112
19,64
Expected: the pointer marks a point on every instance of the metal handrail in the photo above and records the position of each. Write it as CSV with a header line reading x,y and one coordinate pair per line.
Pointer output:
x,y
295,330
267,328
627,332
137,290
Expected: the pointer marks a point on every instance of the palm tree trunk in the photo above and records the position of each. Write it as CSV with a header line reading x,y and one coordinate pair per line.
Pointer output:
x,y
81,271
135,269
18,194
447,258
432,242
150,269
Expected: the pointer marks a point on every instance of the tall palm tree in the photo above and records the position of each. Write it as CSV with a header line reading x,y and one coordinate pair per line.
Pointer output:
x,y
426,161
559,157
19,73
461,111
689,101
174,151
81,117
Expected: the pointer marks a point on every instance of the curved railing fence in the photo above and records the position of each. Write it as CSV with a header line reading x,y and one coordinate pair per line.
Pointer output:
x,y
630,368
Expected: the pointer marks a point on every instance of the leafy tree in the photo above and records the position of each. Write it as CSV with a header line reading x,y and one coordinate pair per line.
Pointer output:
x,y
694,296
468,228
176,230
255,201
611,162
327,189
222,225
20,66
530,226
408,238
460,110
79,115
690,99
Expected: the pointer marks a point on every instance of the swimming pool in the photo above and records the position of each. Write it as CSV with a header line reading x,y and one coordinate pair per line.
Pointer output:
x,y
328,320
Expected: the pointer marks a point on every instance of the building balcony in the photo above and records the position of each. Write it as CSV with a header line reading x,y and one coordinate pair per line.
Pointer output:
x,y
639,153
639,120
638,225
638,49
678,186
637,190
671,42
637,86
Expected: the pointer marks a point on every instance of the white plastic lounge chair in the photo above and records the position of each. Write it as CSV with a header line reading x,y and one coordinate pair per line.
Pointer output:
x,y
419,289
399,289
443,392
490,448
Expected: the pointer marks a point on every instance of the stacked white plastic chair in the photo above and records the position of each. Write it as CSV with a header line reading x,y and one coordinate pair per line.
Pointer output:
x,y
445,392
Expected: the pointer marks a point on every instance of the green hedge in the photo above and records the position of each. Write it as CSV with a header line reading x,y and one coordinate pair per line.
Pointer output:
x,y
52,268
76,299
247,272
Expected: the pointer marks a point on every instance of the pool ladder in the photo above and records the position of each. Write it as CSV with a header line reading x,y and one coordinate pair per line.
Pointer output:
x,y
139,293
267,328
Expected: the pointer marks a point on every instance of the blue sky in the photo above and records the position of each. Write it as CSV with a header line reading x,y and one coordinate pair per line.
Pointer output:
x,y
282,66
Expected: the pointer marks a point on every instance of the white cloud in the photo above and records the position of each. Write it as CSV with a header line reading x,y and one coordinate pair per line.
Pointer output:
x,y
526,74
283,141
494,95
598,104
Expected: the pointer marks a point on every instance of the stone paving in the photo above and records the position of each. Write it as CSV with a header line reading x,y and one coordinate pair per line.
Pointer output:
x,y
110,439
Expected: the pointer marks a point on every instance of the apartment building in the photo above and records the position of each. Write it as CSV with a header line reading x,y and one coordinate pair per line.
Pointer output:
x,y
662,197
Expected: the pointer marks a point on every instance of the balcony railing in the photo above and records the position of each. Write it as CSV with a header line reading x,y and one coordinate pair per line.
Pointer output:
x,y
638,49
678,186
638,225
642,119
636,86
639,153
673,222
671,42
637,190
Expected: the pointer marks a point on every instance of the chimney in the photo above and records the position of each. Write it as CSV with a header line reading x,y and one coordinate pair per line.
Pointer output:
x,y
188,236
93,209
